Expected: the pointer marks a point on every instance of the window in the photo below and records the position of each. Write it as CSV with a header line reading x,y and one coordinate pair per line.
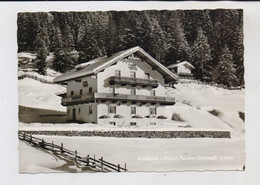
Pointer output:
x,y
133,110
152,110
152,92
81,92
85,84
90,90
112,123
132,123
118,73
71,93
68,111
90,110
133,74
112,109
152,123
79,111
147,75
133,91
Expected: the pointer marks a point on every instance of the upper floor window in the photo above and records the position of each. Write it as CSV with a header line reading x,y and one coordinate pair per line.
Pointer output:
x,y
152,110
118,73
79,111
133,91
81,91
152,92
85,84
90,90
133,110
112,109
71,93
133,74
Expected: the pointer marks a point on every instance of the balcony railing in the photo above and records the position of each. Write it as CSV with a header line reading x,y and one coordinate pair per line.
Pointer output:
x,y
86,98
133,81
135,98
78,99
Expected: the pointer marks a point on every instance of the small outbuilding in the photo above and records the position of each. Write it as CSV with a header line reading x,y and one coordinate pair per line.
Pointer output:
x,y
183,69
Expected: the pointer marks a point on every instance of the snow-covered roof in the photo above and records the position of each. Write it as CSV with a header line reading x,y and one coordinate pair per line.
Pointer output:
x,y
99,64
187,64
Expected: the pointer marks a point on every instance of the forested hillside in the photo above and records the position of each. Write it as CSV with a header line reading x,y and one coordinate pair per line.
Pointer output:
x,y
212,40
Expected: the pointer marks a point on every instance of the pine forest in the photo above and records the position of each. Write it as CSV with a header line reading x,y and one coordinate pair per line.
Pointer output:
x,y
211,40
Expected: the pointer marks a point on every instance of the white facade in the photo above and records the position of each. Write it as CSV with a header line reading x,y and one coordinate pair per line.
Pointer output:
x,y
136,98
182,68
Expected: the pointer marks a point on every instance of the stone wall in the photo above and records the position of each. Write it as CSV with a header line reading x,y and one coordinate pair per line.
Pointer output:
x,y
137,134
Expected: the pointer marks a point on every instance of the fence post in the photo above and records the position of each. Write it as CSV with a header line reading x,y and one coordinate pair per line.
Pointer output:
x,y
94,162
88,160
76,154
31,137
125,167
101,163
42,144
61,147
118,166
24,136
52,145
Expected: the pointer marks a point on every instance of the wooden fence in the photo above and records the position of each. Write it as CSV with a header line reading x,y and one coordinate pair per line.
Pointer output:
x,y
25,75
72,155
211,84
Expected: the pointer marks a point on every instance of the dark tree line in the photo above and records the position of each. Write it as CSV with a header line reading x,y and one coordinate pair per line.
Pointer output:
x,y
212,40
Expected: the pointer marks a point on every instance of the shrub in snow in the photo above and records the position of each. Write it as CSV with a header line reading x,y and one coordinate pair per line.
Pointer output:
x,y
176,117
242,115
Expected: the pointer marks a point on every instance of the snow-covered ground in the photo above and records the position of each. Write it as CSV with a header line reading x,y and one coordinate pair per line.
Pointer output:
x,y
141,154
33,93
32,160
50,74
194,102
35,160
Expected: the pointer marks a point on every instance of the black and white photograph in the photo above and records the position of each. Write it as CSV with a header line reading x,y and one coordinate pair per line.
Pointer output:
x,y
131,91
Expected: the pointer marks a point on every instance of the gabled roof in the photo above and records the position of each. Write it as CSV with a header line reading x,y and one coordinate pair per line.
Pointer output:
x,y
181,63
99,64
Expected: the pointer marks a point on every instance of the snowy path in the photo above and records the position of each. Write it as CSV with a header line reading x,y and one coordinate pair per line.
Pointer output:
x,y
160,154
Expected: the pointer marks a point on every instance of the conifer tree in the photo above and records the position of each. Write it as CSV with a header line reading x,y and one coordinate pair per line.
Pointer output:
x,y
176,43
41,60
63,60
226,68
201,57
158,44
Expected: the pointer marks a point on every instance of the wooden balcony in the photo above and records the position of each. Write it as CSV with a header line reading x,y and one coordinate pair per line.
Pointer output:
x,y
133,81
124,98
78,99
135,98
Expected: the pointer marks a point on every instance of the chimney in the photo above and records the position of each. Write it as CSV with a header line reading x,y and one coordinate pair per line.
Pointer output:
x,y
178,61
